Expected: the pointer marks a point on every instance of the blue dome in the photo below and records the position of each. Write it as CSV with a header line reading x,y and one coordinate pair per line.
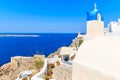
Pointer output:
x,y
93,15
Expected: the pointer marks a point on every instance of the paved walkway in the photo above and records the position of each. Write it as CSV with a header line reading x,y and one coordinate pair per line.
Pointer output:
x,y
62,72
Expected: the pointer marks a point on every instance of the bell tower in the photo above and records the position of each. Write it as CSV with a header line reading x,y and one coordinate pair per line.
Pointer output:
x,y
95,23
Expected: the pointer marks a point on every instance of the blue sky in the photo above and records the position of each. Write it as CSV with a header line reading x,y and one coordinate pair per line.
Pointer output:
x,y
52,16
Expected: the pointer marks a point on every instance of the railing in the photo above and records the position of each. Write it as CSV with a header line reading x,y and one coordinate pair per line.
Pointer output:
x,y
40,75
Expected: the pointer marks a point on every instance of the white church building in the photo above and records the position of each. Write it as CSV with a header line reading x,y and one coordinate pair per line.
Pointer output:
x,y
98,58
95,23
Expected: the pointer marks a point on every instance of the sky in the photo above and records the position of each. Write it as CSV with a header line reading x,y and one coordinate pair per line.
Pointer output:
x,y
52,16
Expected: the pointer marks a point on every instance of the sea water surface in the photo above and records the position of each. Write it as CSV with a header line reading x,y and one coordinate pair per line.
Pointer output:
x,y
22,44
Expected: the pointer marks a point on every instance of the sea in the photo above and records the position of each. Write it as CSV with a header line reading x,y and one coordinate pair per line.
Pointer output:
x,y
28,44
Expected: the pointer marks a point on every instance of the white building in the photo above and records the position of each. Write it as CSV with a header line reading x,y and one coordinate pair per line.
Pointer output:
x,y
114,26
95,23
67,52
98,58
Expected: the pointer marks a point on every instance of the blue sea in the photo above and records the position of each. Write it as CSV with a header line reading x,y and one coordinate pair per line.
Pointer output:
x,y
30,44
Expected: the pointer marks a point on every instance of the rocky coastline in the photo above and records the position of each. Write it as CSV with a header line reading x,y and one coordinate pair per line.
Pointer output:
x,y
11,70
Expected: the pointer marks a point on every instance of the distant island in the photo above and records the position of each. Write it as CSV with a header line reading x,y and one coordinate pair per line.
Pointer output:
x,y
19,35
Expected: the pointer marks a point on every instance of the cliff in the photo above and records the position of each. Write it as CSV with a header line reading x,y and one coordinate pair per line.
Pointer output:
x,y
55,53
11,70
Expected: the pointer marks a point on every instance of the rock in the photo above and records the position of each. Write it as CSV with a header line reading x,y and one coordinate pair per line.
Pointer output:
x,y
39,57
11,70
55,53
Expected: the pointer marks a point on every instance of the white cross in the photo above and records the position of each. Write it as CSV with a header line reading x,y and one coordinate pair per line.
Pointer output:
x,y
95,6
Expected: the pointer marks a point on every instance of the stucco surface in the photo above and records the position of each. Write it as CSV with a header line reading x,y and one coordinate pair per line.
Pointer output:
x,y
98,59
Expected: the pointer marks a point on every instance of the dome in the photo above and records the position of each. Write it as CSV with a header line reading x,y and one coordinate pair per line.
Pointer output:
x,y
93,15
